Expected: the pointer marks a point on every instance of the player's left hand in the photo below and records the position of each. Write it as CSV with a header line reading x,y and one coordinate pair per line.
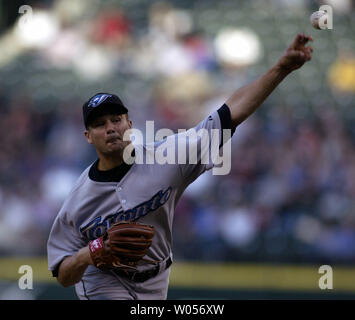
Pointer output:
x,y
297,54
122,246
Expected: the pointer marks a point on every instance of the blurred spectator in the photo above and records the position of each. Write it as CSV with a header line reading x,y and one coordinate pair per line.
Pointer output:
x,y
111,28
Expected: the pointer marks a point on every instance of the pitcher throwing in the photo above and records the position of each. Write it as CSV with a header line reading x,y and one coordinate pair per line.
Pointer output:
x,y
112,238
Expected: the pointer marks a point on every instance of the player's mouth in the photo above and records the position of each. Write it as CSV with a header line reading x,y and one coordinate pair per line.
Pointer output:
x,y
113,140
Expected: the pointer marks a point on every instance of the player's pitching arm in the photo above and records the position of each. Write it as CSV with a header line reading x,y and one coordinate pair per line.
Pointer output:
x,y
250,97
73,267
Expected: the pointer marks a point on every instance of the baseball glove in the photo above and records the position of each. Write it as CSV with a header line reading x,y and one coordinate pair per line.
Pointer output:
x,y
122,246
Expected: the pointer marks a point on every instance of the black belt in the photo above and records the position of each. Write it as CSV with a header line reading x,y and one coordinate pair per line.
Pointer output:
x,y
143,275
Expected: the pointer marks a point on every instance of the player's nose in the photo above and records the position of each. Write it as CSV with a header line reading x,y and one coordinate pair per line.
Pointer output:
x,y
110,127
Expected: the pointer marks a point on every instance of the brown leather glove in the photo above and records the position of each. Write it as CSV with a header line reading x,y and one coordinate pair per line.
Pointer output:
x,y
122,246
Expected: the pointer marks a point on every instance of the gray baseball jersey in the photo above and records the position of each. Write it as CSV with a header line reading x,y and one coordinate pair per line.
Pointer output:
x,y
147,193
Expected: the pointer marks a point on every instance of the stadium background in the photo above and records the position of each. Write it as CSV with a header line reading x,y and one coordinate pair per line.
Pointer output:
x,y
263,231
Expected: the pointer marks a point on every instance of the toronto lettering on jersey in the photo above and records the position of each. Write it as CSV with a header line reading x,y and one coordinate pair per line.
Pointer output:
x,y
203,147
96,228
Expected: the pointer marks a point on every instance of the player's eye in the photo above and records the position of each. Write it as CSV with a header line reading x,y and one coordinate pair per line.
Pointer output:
x,y
97,124
116,119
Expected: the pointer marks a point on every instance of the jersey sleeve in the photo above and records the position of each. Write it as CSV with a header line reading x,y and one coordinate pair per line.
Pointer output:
x,y
204,142
63,241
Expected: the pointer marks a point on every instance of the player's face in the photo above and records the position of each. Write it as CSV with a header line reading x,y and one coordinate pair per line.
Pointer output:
x,y
106,134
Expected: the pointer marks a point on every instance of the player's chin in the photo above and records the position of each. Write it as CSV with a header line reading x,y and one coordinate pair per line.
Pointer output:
x,y
116,147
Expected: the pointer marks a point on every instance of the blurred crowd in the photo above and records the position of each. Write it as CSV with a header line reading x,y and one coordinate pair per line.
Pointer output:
x,y
290,196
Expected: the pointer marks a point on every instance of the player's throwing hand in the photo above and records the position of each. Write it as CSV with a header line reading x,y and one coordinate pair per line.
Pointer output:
x,y
297,54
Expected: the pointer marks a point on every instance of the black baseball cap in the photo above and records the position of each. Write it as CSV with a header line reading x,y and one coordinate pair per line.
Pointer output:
x,y
101,104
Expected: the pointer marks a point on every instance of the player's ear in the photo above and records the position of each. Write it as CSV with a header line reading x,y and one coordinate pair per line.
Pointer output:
x,y
88,136
129,121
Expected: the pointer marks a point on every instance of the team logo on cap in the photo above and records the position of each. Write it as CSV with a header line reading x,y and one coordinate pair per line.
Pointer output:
x,y
100,98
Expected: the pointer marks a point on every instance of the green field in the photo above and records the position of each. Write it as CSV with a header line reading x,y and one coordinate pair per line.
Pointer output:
x,y
199,281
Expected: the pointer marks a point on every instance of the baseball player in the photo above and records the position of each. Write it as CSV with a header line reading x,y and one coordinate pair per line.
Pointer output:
x,y
112,238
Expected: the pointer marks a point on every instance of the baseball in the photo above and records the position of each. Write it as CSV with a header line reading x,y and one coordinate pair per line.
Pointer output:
x,y
317,17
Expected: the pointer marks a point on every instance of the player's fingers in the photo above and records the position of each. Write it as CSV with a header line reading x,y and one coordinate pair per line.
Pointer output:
x,y
300,40
296,54
308,53
308,57
296,41
306,38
